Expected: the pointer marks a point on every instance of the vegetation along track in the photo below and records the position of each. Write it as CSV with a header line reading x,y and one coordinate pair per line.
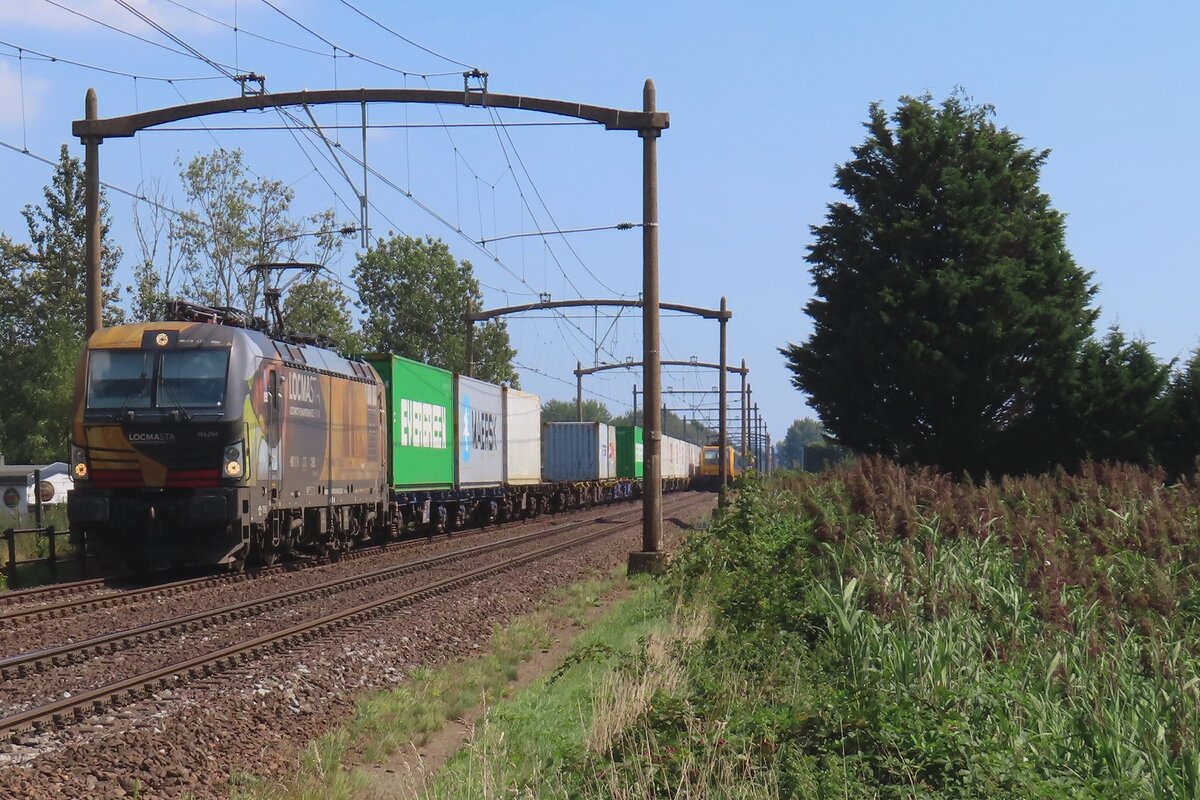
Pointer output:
x,y
81,598
63,711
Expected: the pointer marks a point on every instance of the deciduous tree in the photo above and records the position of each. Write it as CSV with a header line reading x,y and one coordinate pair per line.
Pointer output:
x,y
564,411
317,305
413,293
43,316
233,222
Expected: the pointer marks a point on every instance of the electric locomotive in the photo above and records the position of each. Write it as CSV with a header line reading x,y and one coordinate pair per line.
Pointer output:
x,y
206,441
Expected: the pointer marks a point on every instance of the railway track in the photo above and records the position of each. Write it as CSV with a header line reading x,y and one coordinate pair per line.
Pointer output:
x,y
62,712
39,593
119,597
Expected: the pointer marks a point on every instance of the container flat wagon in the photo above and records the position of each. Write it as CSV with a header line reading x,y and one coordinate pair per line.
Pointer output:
x,y
203,440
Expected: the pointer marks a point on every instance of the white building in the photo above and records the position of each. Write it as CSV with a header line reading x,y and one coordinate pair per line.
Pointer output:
x,y
16,486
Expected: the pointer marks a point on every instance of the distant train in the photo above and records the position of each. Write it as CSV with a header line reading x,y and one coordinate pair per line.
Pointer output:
x,y
206,442
710,466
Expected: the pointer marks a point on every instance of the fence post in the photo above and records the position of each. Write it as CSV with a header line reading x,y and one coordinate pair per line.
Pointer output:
x,y
37,494
12,554
53,557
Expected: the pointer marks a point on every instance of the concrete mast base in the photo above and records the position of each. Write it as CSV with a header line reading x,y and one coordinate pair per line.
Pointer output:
x,y
642,562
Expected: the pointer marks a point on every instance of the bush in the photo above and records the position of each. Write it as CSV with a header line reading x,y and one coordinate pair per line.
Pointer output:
x,y
894,633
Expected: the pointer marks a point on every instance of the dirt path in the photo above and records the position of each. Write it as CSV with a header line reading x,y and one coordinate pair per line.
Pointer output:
x,y
408,772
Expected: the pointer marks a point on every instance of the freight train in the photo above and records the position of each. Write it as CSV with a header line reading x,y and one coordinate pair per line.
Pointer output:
x,y
206,441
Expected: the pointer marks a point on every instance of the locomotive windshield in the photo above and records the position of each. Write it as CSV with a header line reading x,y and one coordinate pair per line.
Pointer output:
x,y
193,378
120,379
140,379
711,455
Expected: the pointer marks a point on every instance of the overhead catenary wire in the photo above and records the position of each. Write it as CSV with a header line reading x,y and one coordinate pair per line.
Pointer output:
x,y
300,125
404,38
116,29
49,58
229,72
442,219
495,115
121,190
570,383
351,53
240,30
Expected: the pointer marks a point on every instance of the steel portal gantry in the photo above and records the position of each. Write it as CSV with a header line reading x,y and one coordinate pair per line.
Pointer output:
x,y
649,123
722,315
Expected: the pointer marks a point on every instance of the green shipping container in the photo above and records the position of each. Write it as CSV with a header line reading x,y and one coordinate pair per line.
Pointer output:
x,y
420,404
629,451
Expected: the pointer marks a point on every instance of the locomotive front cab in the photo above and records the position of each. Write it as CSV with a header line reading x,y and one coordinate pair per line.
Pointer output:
x,y
710,466
159,444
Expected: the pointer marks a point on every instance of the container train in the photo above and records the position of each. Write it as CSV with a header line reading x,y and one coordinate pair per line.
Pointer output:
x,y
205,442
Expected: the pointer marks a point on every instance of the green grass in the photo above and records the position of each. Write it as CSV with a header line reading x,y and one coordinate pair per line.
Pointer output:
x,y
526,746
31,546
385,722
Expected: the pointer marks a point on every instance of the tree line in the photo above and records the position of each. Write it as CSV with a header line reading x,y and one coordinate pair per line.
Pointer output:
x,y
952,326
410,292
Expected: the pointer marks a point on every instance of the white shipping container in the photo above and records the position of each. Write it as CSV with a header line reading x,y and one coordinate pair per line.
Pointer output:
x,y
611,469
680,459
480,451
523,439
578,451
670,457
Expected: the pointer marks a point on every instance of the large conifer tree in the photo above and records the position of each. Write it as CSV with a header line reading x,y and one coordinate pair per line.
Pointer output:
x,y
948,313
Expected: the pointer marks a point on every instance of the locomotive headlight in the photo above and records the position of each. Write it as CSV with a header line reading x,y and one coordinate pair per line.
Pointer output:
x,y
79,465
233,461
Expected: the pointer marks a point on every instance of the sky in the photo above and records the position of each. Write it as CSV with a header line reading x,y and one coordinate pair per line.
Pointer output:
x,y
765,99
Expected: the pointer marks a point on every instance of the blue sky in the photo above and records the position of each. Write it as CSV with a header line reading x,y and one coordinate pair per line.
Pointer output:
x,y
765,99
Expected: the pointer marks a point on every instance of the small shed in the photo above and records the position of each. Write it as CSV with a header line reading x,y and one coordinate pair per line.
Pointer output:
x,y
16,485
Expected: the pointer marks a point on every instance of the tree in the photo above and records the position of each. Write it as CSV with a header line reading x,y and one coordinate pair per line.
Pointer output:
x,y
1119,401
234,222
564,411
413,294
58,250
948,314
321,306
801,434
43,315
1179,439
156,274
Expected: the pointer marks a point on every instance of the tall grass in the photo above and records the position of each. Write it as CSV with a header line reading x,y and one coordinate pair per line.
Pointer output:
x,y
30,546
888,633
